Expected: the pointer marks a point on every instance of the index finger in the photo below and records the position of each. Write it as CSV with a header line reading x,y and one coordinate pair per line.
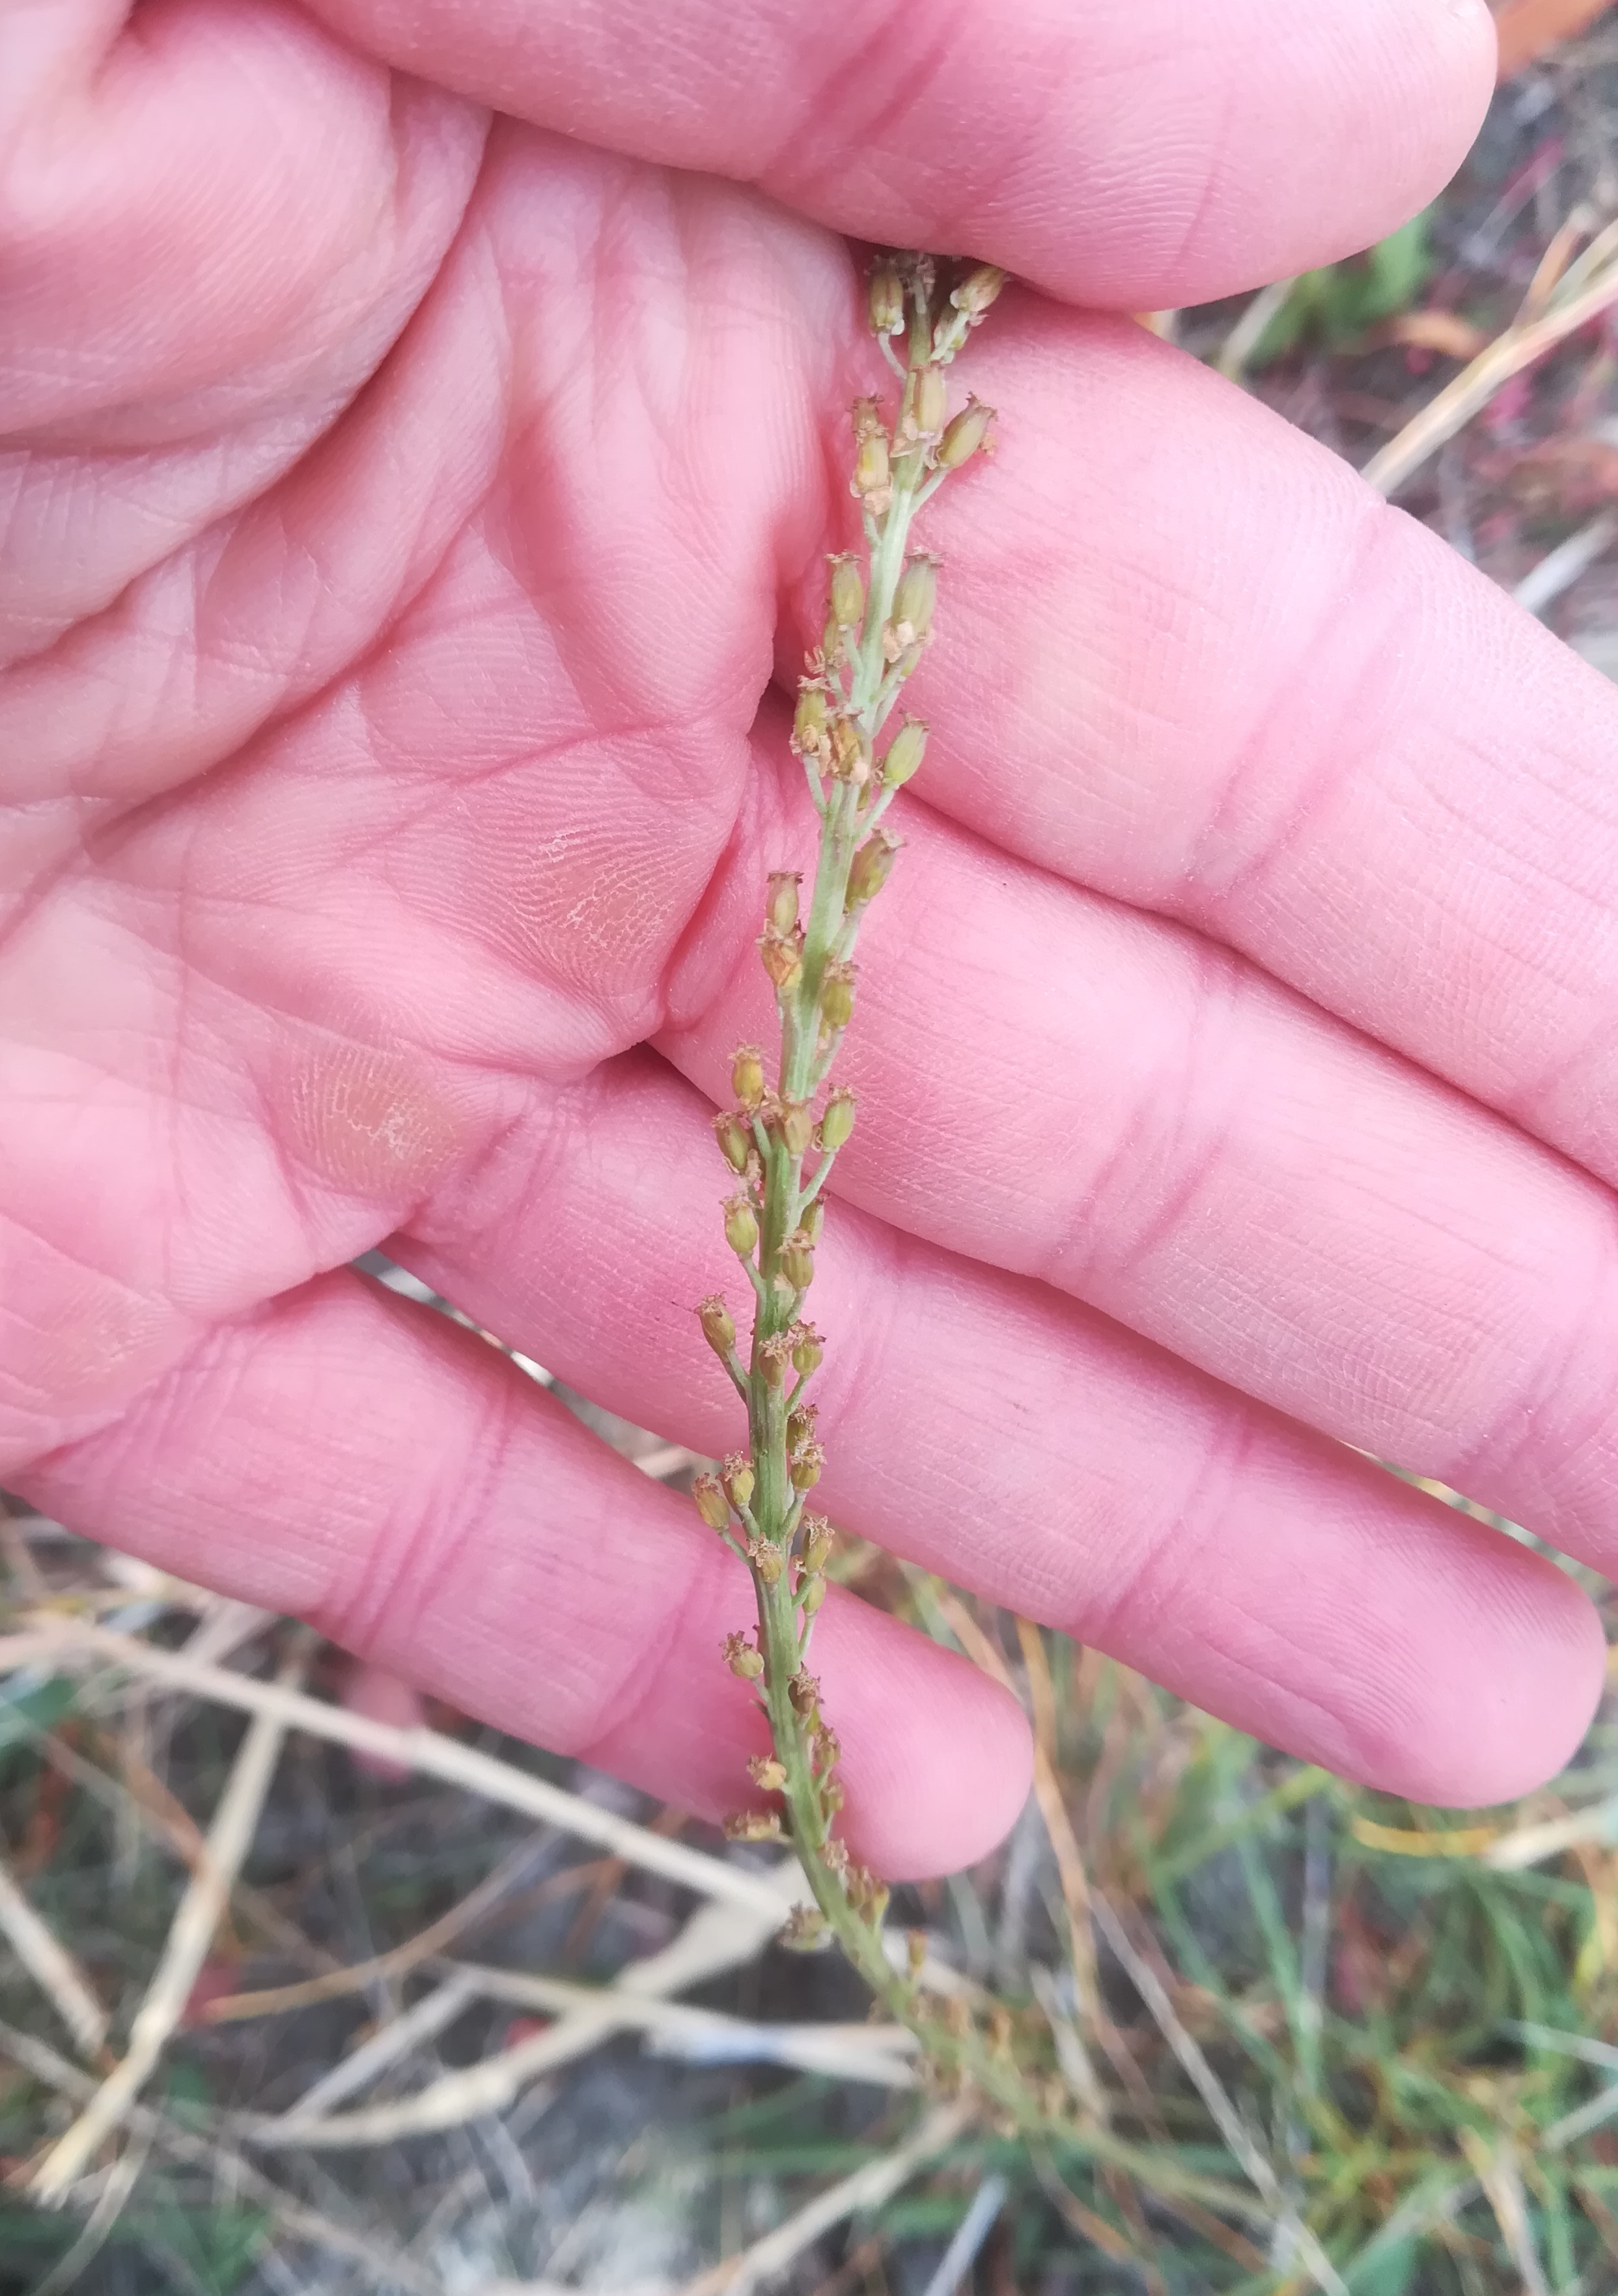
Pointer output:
x,y
1153,154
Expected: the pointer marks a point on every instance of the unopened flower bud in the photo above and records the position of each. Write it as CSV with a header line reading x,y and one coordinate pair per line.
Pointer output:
x,y
765,1772
913,600
797,1261
886,301
742,1658
747,1075
850,753
869,870
782,959
808,1353
767,1561
837,1120
817,1544
712,1503
753,1825
848,593
774,1356
741,1226
797,1127
737,1476
872,482
906,751
718,1328
781,899
968,431
803,1692
931,402
978,291
837,995
811,1596
735,1136
803,1468
808,723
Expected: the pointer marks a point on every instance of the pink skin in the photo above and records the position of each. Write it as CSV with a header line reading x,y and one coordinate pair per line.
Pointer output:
x,y
412,525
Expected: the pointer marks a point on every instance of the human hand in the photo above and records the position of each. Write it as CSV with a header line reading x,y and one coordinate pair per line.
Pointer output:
x,y
406,516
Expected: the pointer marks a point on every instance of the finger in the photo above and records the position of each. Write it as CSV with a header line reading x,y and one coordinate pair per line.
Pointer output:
x,y
1123,155
1028,1450
1059,1087
1189,661
366,1466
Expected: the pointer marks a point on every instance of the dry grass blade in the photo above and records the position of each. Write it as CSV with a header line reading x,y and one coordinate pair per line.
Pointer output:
x,y
51,1965
72,1642
1497,2171
196,1920
868,2187
383,2264
1589,288
102,2222
421,2022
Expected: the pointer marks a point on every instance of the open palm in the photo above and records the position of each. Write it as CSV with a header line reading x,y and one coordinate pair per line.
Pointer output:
x,y
419,463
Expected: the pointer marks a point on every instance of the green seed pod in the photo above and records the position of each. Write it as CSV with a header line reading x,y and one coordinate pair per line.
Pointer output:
x,y
767,1561
780,900
735,1136
803,1468
964,435
774,1355
741,1226
913,600
797,1261
742,1659
906,751
712,1503
837,995
718,1328
813,1222
747,1075
808,1353
737,1476
870,868
809,722
799,1424
886,301
848,593
765,1772
817,1546
837,1122
803,1692
873,481
797,1127
753,1825
811,1597
978,291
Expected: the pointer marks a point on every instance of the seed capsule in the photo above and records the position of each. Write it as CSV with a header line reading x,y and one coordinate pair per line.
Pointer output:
x,y
767,1561
873,481
886,301
753,1825
913,600
803,1468
813,1222
742,1658
808,1353
869,870
765,1772
906,751
797,1127
850,753
782,959
712,1503
741,1226
811,1597
808,723
837,995
848,593
780,900
737,1476
817,1544
747,1075
978,291
867,419
837,1122
803,1692
797,1261
735,1136
801,1424
718,1328
964,435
